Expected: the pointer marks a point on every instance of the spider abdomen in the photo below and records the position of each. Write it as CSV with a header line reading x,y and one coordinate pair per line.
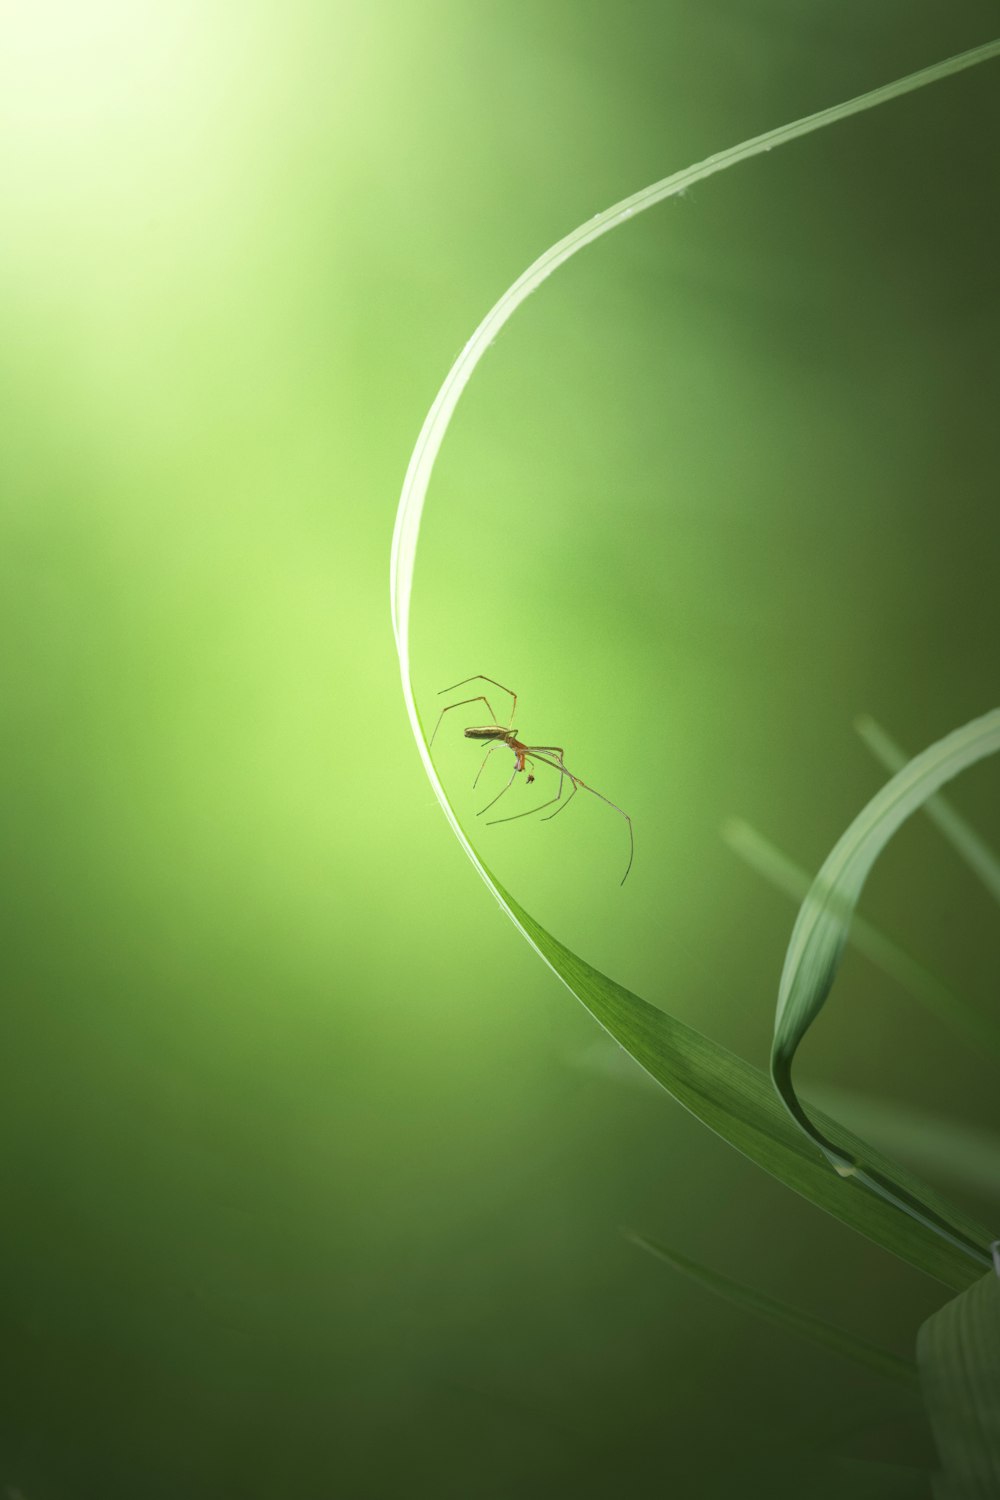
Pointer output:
x,y
490,732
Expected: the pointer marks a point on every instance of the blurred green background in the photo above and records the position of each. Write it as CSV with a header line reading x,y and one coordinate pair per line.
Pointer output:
x,y
312,1176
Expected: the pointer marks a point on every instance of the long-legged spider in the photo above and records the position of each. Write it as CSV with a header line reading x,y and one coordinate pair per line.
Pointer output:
x,y
549,755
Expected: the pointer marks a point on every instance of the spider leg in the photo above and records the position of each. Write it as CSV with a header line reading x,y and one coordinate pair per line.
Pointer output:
x,y
499,793
479,699
576,788
577,783
529,811
482,768
628,820
480,678
557,765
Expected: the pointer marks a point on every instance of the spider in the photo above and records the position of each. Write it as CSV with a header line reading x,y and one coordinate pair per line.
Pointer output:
x,y
549,755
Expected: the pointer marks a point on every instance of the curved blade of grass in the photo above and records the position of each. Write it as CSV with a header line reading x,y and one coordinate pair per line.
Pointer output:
x,y
958,1354
746,1111
736,1100
907,971
818,937
418,473
961,835
814,1329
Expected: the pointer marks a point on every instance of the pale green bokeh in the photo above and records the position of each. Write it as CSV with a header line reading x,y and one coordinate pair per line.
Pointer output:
x,y
305,1189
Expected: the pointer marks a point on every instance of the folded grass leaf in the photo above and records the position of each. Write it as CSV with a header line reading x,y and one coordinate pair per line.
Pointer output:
x,y
820,931
736,1100
958,1354
961,1155
908,972
961,835
826,1335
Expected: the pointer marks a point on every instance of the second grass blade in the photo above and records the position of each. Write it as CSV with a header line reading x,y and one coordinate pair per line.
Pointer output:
x,y
818,938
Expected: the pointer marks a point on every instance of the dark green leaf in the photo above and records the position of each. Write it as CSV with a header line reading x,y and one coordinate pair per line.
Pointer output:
x,y
958,1353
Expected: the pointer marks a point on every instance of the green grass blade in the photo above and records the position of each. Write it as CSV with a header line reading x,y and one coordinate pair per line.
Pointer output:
x,y
961,835
815,1330
820,931
958,1354
736,1100
746,1110
889,956
432,433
